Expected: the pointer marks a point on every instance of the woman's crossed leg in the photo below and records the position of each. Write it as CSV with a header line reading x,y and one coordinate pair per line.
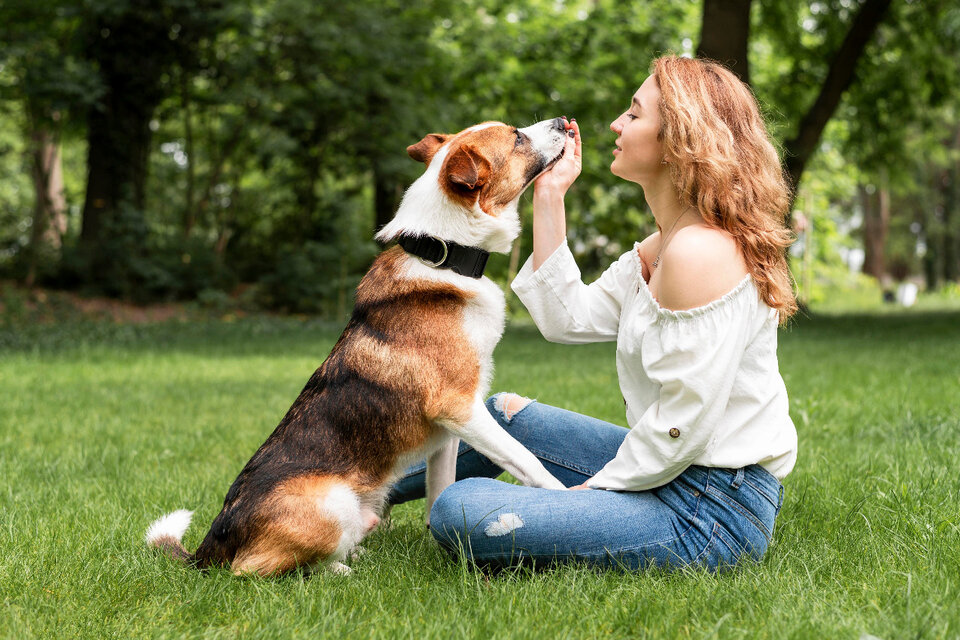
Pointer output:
x,y
498,523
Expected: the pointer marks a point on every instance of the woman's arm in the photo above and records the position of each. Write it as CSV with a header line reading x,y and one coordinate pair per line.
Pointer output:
x,y
549,216
549,284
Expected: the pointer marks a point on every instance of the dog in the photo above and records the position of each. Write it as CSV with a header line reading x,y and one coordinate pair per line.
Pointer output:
x,y
407,378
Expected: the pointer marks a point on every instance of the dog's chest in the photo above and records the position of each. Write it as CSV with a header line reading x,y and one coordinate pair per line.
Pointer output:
x,y
483,314
483,319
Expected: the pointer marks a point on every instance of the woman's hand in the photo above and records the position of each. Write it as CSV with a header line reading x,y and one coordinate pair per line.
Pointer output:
x,y
579,486
559,177
549,219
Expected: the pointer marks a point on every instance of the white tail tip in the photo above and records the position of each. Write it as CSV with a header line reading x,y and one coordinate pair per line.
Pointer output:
x,y
171,525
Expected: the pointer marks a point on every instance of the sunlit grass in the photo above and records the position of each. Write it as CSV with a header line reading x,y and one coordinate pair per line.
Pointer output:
x,y
104,427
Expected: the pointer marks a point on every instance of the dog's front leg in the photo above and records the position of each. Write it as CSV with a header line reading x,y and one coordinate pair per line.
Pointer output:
x,y
441,471
489,438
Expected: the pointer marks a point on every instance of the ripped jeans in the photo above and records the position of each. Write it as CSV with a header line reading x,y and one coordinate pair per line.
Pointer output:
x,y
707,516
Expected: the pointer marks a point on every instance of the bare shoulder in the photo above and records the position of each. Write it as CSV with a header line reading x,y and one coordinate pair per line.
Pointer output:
x,y
699,265
647,250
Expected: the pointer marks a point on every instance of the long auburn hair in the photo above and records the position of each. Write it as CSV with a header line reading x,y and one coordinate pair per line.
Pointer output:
x,y
722,161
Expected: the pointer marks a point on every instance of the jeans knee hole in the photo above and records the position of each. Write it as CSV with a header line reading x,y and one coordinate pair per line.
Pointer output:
x,y
509,404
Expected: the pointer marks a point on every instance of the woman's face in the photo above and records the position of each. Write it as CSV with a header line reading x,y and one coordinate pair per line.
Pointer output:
x,y
639,155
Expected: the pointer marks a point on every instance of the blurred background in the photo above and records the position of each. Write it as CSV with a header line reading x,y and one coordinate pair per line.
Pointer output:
x,y
241,154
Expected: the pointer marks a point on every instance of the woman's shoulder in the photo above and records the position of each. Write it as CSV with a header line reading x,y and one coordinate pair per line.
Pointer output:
x,y
647,252
700,264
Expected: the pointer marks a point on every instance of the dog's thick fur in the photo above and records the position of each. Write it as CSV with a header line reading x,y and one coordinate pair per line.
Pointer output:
x,y
405,381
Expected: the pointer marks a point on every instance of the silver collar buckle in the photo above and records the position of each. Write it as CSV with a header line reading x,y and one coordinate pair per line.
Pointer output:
x,y
446,252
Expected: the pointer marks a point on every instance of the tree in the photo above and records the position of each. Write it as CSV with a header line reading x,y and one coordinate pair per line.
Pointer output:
x,y
263,141
134,45
904,128
724,37
52,86
725,34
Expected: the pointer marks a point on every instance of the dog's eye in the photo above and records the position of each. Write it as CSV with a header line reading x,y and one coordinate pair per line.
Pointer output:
x,y
519,137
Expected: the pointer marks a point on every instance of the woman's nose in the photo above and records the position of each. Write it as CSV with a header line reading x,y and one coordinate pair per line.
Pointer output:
x,y
615,126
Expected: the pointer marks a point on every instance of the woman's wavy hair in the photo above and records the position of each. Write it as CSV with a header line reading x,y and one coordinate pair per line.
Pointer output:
x,y
723,162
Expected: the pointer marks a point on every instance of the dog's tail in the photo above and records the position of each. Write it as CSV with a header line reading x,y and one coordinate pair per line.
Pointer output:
x,y
166,532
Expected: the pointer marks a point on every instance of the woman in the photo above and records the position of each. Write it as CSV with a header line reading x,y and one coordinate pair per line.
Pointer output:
x,y
694,310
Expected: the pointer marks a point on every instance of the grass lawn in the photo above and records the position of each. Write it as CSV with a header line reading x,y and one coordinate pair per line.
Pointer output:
x,y
104,427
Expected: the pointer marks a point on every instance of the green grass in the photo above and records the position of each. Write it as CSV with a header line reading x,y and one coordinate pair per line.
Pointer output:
x,y
103,428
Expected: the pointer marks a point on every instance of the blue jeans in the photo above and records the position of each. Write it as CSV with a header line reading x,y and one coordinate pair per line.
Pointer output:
x,y
707,516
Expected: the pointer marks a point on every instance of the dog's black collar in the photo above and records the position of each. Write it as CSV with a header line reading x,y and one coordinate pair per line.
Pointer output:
x,y
444,254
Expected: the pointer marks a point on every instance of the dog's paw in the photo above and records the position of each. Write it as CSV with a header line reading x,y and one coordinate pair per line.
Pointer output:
x,y
357,552
339,568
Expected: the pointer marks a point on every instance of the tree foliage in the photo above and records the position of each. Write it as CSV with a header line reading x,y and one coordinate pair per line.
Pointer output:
x,y
252,147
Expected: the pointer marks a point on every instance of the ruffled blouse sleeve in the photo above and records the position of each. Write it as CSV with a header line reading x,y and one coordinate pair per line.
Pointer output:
x,y
564,308
693,356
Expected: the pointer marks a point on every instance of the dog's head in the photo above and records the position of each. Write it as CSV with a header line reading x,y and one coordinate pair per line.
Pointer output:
x,y
492,163
473,180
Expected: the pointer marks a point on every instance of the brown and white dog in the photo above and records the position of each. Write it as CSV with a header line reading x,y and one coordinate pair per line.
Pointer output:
x,y
406,380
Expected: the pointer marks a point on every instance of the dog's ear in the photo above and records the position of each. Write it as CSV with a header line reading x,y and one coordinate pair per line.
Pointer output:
x,y
466,169
423,151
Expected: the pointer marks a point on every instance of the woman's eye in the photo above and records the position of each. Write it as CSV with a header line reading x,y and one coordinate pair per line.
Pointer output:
x,y
631,116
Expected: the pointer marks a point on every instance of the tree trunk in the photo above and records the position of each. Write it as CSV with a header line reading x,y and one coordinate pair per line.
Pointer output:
x,y
725,34
931,238
949,244
951,218
876,224
840,76
57,199
226,219
930,271
119,142
49,215
189,212
132,49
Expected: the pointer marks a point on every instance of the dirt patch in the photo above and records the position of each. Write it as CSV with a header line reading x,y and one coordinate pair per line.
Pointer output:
x,y
126,313
49,306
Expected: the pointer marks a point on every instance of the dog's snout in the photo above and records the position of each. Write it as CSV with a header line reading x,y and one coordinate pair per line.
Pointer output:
x,y
559,124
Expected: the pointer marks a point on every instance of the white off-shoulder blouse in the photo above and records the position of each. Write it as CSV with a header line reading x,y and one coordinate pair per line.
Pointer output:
x,y
702,386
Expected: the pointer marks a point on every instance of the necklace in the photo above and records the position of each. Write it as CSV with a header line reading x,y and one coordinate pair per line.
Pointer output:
x,y
669,234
